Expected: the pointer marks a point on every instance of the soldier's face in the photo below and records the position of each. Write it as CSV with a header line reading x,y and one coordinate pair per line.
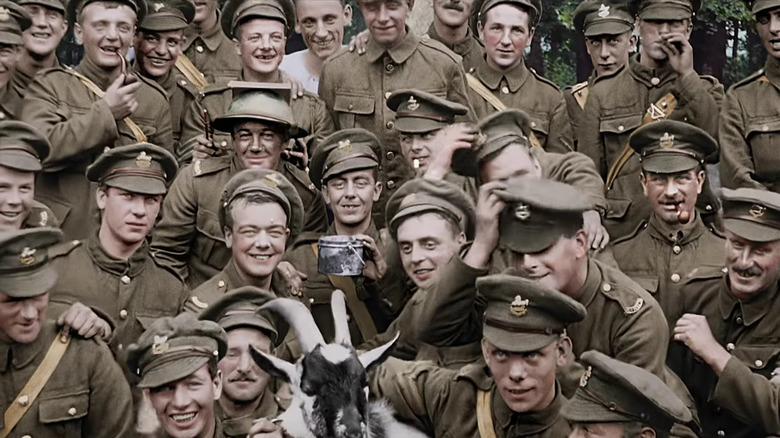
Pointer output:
x,y
609,53
258,238
752,266
426,243
321,24
513,161
258,145
452,13
526,381
106,33
351,196
560,266
204,9
17,190
242,380
598,430
653,34
386,20
9,57
768,27
261,45
21,318
505,34
157,52
127,217
671,193
185,408
48,27
418,148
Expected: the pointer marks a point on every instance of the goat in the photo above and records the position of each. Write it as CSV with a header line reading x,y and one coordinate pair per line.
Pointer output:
x,y
329,383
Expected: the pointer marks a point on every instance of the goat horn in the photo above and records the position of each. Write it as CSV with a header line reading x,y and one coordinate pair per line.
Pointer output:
x,y
300,320
340,323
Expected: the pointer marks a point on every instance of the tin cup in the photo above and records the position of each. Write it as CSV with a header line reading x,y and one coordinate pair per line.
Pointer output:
x,y
341,256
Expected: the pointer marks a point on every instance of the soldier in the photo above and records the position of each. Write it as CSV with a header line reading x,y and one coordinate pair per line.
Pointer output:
x,y
15,21
321,24
22,149
189,236
246,389
112,270
95,106
40,40
259,213
256,27
355,86
501,79
450,27
658,84
722,352
514,392
209,55
747,124
674,241
609,39
52,384
176,361
620,400
158,45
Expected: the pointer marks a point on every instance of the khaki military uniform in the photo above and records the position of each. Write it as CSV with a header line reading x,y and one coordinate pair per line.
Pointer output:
x,y
355,89
576,170
741,402
212,53
443,403
469,48
615,108
270,407
660,258
40,216
189,238
749,128
576,96
523,89
79,126
86,395
10,103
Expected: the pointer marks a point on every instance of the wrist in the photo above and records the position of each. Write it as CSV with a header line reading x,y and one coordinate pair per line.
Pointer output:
x,y
717,358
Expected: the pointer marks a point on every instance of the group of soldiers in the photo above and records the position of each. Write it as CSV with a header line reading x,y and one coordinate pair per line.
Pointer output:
x,y
554,263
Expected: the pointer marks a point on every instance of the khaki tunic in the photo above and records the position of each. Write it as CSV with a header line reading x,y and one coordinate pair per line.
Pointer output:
x,y
742,402
469,48
616,106
523,89
573,95
80,126
443,403
355,89
212,53
86,396
659,258
749,131
576,170
10,103
270,407
40,216
189,239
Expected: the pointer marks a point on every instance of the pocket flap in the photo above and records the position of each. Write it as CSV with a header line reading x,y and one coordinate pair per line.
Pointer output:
x,y
620,125
59,207
759,126
757,357
64,408
617,208
147,320
648,284
354,104
539,125
208,224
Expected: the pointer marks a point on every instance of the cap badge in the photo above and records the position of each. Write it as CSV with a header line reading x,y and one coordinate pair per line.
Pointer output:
x,y
271,181
5,14
481,140
160,345
585,377
27,257
522,212
143,161
345,146
757,211
604,11
519,306
413,105
666,141
158,6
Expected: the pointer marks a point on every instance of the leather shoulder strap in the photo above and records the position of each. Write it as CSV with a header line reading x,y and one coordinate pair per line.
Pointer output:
x,y
484,415
658,111
188,69
356,306
30,392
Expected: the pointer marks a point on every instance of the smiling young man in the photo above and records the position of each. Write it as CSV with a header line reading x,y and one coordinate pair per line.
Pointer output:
x,y
450,27
514,392
721,349
11,42
40,40
210,52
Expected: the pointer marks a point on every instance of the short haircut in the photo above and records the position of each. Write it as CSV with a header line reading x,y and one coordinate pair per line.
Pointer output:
x,y
343,2
108,4
531,13
452,224
252,198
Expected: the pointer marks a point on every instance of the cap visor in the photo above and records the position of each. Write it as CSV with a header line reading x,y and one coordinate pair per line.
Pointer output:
x,y
581,409
417,126
668,163
665,12
227,123
751,231
607,28
352,164
230,322
530,240
29,284
464,162
172,371
516,342
413,211
163,24
139,184
57,6
9,38
19,160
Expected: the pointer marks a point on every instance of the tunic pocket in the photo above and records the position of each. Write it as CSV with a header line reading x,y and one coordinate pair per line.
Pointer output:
x,y
63,413
762,135
348,107
761,359
209,244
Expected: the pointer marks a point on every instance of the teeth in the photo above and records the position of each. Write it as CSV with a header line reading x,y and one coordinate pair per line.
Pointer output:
x,y
183,417
262,257
10,214
40,35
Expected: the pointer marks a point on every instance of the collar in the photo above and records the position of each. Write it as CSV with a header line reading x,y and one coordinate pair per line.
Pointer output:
x,y
372,232
677,236
168,82
515,78
529,423
592,284
21,355
106,262
462,47
94,73
212,38
646,75
772,70
10,101
21,80
398,53
239,426
233,280
752,309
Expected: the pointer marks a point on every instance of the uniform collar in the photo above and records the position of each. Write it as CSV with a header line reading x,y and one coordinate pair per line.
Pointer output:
x,y
10,101
516,424
462,47
94,73
645,74
398,53
239,426
591,286
515,78
752,309
371,232
168,82
676,236
20,355
105,261
233,280
212,38
772,70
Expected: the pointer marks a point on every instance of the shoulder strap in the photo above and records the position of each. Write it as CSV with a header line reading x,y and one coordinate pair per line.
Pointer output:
x,y
138,133
657,111
188,69
356,306
484,415
30,392
476,85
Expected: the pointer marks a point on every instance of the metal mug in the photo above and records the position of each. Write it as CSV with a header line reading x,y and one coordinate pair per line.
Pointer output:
x,y
341,256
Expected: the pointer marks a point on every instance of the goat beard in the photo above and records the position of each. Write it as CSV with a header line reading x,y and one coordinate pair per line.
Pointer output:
x,y
147,422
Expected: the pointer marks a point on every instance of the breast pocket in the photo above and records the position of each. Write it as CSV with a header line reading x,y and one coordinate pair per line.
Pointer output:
x,y
615,132
761,359
349,107
541,127
209,243
64,412
763,136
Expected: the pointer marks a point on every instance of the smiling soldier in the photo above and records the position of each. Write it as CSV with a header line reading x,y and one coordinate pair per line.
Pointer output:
x,y
40,40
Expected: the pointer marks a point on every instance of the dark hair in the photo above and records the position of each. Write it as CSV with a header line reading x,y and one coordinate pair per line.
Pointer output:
x,y
452,224
108,4
246,199
528,10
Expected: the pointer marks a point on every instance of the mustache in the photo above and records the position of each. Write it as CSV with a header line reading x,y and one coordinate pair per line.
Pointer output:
x,y
242,377
751,271
453,5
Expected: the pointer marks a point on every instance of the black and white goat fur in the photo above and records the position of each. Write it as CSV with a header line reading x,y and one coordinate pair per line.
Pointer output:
x,y
329,382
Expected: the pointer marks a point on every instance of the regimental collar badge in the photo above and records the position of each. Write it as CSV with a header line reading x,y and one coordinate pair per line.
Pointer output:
x,y
604,11
585,377
523,212
666,141
143,161
345,146
757,211
413,105
519,306
161,345
27,257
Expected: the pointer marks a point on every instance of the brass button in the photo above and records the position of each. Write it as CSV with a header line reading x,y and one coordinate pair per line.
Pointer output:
x,y
765,128
721,433
121,347
350,106
390,125
387,95
123,314
606,287
655,81
738,320
23,400
676,249
125,279
183,82
199,49
675,278
2,115
505,90
724,270
72,411
730,347
533,124
708,207
391,184
621,128
221,283
759,363
311,300
390,67
223,143
390,156
27,436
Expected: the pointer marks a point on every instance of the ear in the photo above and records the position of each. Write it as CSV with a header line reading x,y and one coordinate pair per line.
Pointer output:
x,y
228,237
78,32
531,35
461,238
647,433
139,36
298,26
64,26
377,191
217,382
485,352
632,42
643,179
564,348
348,14
700,178
581,244
274,366
481,31
378,355
101,197
237,45
287,232
325,194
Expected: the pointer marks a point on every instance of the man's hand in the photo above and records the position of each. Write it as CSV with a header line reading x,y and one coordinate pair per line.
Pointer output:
x,y
298,157
376,267
120,98
83,320
489,208
598,238
294,277
296,86
205,148
680,52
359,42
694,331
264,428
448,140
